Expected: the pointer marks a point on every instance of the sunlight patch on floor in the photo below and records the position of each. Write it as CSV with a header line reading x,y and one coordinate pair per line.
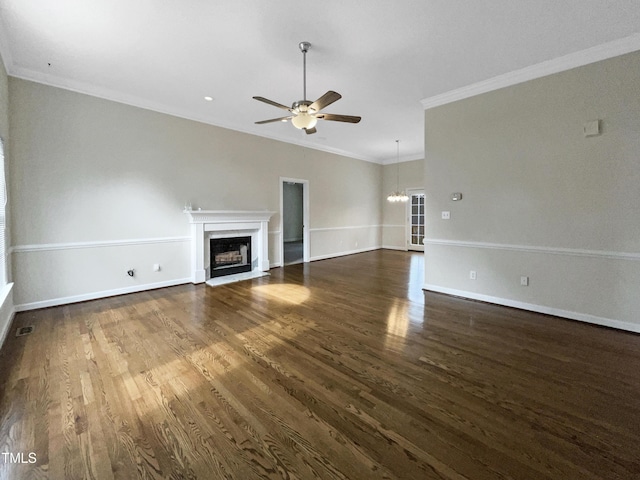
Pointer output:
x,y
283,292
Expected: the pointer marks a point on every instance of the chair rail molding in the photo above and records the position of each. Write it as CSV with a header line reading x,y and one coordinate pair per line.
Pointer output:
x,y
536,249
94,244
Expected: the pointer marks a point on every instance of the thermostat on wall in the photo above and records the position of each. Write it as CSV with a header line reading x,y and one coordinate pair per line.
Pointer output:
x,y
456,196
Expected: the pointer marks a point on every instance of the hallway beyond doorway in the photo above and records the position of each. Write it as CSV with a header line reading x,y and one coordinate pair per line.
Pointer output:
x,y
293,252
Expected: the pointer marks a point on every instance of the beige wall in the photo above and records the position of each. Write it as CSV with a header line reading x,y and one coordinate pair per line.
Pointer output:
x,y
408,175
540,199
92,170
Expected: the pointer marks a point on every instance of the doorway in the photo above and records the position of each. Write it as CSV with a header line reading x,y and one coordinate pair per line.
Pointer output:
x,y
415,216
294,208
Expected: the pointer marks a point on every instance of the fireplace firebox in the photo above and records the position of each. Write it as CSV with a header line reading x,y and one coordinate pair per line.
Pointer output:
x,y
230,255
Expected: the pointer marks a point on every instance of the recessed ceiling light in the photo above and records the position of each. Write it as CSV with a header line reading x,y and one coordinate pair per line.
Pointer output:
x,y
209,99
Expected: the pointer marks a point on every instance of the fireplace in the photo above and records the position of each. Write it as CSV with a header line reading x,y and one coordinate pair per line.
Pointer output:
x,y
207,225
230,255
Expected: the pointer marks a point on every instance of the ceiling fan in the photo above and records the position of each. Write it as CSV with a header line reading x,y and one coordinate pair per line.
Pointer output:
x,y
303,113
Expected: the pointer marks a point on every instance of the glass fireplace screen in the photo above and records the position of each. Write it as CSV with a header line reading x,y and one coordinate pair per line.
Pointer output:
x,y
230,255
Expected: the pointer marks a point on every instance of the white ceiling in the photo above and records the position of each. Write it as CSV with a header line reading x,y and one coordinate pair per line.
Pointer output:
x,y
383,57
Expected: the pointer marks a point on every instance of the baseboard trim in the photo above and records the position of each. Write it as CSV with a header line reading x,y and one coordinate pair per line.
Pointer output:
x,y
54,302
395,247
7,327
6,301
582,317
342,254
339,254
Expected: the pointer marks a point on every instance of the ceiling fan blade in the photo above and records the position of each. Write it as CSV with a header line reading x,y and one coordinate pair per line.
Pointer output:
x,y
271,102
325,100
339,118
280,119
310,130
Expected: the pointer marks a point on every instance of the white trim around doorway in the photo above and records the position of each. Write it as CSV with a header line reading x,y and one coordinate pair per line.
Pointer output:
x,y
305,218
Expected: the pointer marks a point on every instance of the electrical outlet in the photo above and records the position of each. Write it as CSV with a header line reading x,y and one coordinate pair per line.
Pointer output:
x,y
524,281
472,275
156,267
446,215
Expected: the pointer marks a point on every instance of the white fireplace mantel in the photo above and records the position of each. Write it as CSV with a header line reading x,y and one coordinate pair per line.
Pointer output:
x,y
207,224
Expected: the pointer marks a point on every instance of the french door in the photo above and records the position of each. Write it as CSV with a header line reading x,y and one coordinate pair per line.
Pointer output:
x,y
415,215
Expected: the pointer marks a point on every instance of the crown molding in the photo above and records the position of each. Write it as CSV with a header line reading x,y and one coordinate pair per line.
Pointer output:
x,y
567,62
407,158
135,101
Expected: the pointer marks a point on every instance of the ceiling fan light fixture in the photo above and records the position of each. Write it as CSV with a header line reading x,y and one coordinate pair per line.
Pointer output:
x,y
304,114
303,121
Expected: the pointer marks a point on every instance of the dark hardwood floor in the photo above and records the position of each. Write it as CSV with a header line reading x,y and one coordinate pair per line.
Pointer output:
x,y
339,369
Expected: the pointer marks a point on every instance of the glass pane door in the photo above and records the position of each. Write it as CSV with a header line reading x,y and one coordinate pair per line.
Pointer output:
x,y
416,220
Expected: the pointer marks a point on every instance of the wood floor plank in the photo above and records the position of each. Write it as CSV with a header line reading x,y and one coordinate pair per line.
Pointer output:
x,y
338,369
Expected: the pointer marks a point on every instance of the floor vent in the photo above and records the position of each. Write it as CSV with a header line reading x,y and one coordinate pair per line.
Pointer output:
x,y
24,331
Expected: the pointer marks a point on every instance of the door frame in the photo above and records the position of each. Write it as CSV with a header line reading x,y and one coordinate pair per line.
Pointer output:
x,y
305,218
415,248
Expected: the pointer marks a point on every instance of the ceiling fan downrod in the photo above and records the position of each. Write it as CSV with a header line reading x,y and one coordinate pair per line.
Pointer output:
x,y
304,48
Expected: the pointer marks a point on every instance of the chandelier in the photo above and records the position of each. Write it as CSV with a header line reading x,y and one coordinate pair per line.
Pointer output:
x,y
397,196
